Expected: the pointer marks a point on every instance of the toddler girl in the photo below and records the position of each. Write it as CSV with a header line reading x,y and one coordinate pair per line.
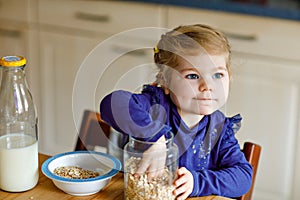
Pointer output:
x,y
191,86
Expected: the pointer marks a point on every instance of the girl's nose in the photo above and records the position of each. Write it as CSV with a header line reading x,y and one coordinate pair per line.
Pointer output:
x,y
204,85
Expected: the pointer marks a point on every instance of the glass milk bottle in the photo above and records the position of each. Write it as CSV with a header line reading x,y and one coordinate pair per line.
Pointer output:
x,y
18,128
164,155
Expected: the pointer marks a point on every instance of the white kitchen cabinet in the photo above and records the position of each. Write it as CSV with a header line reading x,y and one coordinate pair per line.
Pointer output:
x,y
84,55
265,90
247,33
266,93
16,19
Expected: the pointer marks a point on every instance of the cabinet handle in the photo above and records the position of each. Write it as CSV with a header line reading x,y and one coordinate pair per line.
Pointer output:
x,y
121,50
92,17
237,36
10,33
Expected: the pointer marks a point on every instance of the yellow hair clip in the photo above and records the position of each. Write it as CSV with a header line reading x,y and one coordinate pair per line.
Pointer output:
x,y
156,50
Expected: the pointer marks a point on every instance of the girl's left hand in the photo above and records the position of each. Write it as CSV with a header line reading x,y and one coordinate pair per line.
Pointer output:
x,y
184,184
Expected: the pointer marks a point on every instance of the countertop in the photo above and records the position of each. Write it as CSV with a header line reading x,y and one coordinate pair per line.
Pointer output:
x,y
45,190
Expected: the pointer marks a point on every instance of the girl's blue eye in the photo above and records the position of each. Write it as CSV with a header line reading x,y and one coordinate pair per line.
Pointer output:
x,y
218,75
192,76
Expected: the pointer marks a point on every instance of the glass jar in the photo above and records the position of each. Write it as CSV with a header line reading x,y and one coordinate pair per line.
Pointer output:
x,y
156,180
18,128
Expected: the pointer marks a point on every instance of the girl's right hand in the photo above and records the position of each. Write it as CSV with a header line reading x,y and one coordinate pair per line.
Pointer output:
x,y
153,160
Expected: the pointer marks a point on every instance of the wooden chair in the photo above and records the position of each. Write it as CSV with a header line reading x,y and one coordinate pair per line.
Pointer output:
x,y
252,154
94,132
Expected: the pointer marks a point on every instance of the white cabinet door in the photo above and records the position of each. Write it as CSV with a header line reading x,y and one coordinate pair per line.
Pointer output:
x,y
266,93
60,58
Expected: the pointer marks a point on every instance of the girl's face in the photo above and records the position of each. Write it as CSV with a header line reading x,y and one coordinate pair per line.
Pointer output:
x,y
200,84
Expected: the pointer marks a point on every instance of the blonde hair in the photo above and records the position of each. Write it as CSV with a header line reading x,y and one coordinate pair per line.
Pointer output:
x,y
188,40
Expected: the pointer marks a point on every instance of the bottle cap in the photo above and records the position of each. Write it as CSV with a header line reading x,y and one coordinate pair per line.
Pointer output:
x,y
12,61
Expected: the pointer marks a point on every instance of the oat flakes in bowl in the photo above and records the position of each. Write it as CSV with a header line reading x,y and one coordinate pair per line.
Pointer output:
x,y
104,164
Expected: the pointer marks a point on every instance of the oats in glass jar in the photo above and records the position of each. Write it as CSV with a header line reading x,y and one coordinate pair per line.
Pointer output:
x,y
141,188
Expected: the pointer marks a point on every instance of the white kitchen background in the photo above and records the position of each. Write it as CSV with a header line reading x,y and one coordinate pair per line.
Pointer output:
x,y
56,36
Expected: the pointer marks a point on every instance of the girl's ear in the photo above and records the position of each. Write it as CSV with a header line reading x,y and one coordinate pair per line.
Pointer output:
x,y
166,90
161,80
164,85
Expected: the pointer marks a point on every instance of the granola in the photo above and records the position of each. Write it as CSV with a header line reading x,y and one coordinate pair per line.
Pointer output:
x,y
74,172
141,188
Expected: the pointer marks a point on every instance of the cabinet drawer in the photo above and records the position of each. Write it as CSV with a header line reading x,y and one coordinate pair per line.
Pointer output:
x,y
249,34
103,16
15,10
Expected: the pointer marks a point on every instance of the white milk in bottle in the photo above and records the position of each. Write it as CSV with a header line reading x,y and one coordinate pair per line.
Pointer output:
x,y
18,128
18,166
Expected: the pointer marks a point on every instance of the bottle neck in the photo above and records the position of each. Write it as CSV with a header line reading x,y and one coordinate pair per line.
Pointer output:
x,y
12,77
12,74
15,96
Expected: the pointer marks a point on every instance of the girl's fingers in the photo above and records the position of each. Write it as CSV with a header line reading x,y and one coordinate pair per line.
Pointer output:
x,y
182,196
142,167
155,170
154,174
181,178
180,181
182,192
181,188
181,171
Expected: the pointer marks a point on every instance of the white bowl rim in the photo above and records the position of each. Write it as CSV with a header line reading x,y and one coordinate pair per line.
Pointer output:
x,y
116,168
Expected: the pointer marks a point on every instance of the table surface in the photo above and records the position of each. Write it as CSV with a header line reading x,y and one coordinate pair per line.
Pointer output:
x,y
46,190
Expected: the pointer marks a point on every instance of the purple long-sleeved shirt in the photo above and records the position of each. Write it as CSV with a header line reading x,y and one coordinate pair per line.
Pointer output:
x,y
210,150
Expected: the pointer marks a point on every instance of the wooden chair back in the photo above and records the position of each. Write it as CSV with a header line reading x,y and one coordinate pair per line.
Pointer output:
x,y
252,153
93,132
